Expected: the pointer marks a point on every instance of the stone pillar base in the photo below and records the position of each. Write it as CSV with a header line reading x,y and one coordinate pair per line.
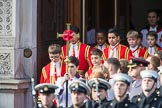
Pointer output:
x,y
12,93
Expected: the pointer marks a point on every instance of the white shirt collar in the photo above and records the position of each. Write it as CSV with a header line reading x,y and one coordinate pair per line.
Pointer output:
x,y
151,50
112,47
76,44
153,28
133,49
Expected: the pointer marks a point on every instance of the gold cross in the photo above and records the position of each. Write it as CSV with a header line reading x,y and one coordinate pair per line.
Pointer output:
x,y
68,28
67,47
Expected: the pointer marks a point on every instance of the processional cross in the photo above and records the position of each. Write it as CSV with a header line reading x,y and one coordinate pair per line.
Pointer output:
x,y
67,36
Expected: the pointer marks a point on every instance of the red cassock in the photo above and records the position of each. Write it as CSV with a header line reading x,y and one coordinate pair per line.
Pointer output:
x,y
84,56
122,52
88,73
142,52
45,75
157,49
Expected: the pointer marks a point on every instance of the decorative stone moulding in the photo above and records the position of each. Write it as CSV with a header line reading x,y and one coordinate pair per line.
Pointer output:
x,y
7,42
5,17
6,66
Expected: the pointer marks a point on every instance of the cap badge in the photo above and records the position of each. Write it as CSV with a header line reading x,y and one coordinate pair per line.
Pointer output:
x,y
45,88
76,85
97,81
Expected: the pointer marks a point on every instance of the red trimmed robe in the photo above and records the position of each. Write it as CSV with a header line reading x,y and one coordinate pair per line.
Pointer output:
x,y
122,52
84,56
45,75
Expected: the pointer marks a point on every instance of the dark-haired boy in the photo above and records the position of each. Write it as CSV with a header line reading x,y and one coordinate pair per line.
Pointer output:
x,y
152,48
71,76
101,39
96,59
116,50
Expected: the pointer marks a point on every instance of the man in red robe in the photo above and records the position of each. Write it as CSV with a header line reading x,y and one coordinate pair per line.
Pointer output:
x,y
79,50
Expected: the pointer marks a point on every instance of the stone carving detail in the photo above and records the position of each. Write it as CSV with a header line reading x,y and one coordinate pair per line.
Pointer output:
x,y
5,17
5,61
6,42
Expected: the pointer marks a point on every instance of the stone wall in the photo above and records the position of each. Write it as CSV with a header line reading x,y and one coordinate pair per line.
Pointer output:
x,y
18,50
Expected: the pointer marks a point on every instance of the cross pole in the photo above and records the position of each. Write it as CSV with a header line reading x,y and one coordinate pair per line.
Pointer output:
x,y
67,59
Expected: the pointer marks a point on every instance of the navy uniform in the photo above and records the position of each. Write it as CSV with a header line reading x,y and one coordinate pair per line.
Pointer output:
x,y
152,101
80,87
159,90
98,84
125,103
46,89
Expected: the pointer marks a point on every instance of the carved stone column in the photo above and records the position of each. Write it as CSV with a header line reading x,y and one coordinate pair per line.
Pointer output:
x,y
18,35
6,40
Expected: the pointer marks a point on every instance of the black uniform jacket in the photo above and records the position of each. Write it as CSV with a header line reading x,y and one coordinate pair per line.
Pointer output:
x,y
153,101
80,107
87,104
123,104
103,103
